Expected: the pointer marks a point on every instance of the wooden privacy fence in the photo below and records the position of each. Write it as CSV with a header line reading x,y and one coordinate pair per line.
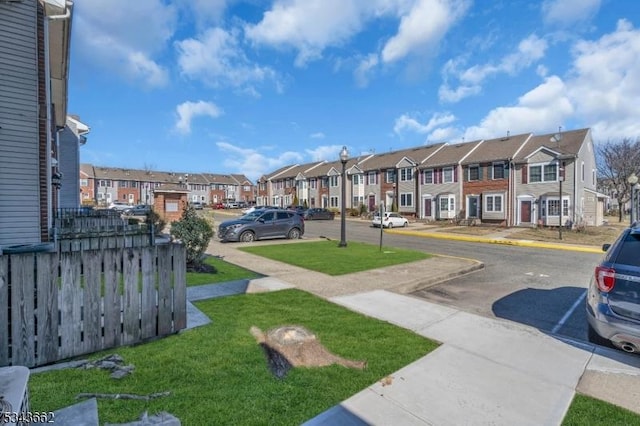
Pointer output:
x,y
59,305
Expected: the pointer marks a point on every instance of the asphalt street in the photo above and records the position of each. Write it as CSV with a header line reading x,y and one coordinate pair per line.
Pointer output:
x,y
542,288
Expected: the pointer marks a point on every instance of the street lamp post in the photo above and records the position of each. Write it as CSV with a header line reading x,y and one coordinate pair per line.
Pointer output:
x,y
560,179
344,156
633,180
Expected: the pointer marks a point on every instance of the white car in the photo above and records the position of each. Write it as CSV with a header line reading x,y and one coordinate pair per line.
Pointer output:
x,y
390,220
120,206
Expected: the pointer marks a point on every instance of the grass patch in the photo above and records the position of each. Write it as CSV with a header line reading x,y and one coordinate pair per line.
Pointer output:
x,y
217,374
585,410
328,258
225,272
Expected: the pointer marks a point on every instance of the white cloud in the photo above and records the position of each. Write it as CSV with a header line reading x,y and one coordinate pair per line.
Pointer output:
x,y
252,163
568,12
364,69
530,50
423,27
542,109
325,153
206,11
108,34
309,26
317,135
605,82
217,59
407,123
187,111
600,91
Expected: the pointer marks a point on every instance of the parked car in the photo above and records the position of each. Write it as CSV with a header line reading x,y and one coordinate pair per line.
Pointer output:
x,y
197,205
119,206
613,298
267,223
298,209
390,220
231,205
218,205
318,213
254,208
138,210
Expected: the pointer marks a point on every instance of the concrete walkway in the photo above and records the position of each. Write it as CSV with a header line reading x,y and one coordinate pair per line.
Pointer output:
x,y
487,371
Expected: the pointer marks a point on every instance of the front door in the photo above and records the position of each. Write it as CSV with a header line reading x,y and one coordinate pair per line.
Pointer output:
x,y
525,211
372,203
472,210
427,207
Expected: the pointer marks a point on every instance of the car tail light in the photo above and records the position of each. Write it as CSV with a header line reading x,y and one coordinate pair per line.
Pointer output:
x,y
606,278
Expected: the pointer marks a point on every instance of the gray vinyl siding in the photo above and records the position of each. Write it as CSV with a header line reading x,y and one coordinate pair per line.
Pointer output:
x,y
19,175
69,165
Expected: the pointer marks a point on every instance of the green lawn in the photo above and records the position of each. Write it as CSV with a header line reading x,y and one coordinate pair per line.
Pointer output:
x,y
217,374
328,258
225,271
585,410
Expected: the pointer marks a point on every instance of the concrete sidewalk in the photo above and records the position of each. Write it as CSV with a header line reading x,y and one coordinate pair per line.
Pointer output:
x,y
487,371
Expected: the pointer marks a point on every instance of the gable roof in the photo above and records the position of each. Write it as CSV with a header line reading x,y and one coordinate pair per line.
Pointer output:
x,y
564,143
497,149
390,160
449,155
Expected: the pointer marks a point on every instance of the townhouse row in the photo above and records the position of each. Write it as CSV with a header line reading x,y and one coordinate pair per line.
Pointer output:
x,y
101,186
521,180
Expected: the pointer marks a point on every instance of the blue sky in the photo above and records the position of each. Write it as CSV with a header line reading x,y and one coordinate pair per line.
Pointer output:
x,y
230,86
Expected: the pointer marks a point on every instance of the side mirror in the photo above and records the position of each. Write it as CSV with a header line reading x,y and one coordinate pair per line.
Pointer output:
x,y
261,220
605,247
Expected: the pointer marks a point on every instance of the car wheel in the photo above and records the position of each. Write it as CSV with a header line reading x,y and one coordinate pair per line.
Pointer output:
x,y
390,225
597,339
406,224
247,237
294,234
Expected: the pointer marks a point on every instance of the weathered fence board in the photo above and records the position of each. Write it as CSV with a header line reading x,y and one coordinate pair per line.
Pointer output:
x,y
148,294
164,292
59,305
47,307
22,307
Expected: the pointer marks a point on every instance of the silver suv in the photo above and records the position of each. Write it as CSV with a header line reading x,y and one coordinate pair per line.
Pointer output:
x,y
268,223
613,301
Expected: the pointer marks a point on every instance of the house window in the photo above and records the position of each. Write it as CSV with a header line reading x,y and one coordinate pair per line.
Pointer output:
x,y
84,182
356,179
406,199
313,183
390,176
493,203
553,207
497,171
474,172
324,183
371,178
447,203
427,177
406,174
333,181
543,173
550,173
447,175
333,201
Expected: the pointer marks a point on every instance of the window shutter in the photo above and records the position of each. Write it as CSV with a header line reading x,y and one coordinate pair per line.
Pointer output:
x,y
480,172
524,173
455,173
465,173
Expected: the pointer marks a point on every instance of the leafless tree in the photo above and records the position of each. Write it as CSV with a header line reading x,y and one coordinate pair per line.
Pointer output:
x,y
616,161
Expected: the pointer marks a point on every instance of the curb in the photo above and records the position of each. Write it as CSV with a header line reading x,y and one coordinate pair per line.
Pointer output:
x,y
423,283
503,241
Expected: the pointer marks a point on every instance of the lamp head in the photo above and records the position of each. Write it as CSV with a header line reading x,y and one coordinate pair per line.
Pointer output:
x,y
344,154
632,179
